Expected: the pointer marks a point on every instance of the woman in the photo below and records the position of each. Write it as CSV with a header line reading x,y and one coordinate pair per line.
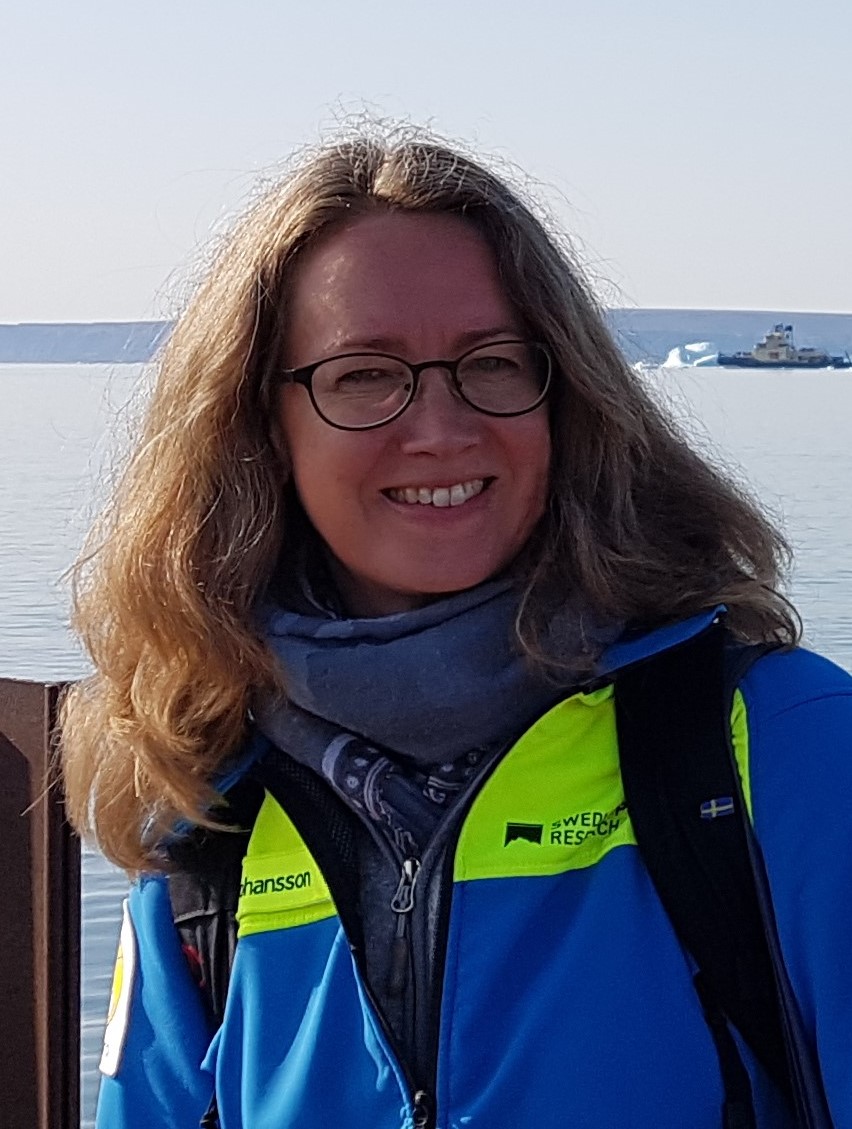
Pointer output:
x,y
399,517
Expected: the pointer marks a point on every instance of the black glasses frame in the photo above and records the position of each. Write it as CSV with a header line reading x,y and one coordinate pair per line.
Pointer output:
x,y
305,376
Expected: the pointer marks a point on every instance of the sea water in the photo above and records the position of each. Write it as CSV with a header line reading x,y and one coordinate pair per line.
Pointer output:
x,y
62,430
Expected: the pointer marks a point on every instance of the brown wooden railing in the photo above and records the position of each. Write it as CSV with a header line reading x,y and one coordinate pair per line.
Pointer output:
x,y
39,922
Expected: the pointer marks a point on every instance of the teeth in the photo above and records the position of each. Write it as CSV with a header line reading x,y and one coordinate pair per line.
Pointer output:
x,y
440,496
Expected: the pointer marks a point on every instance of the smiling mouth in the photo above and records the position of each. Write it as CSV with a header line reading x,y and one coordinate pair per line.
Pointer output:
x,y
439,496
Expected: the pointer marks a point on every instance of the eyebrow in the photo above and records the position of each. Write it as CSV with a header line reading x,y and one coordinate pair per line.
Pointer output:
x,y
466,340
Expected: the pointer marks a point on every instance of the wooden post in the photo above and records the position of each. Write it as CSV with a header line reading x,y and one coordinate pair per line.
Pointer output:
x,y
39,921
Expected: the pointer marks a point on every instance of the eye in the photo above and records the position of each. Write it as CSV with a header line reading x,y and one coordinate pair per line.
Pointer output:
x,y
360,375
363,377
494,362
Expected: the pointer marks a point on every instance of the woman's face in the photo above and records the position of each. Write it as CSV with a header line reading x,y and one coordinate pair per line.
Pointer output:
x,y
419,286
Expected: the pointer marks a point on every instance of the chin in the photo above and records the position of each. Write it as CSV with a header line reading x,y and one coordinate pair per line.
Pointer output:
x,y
435,587
391,590
429,579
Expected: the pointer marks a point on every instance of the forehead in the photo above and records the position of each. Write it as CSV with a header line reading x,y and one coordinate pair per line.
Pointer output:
x,y
399,280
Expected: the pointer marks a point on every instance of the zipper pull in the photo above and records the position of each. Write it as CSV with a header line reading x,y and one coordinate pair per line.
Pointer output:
x,y
422,1110
403,899
402,904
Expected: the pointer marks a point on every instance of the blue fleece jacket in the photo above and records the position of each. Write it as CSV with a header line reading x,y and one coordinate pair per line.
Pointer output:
x,y
566,998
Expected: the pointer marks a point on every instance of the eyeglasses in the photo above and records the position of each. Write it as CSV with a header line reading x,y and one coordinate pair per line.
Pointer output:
x,y
357,391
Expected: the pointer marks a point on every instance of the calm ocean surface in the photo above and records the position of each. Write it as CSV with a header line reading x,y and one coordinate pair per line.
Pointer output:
x,y
786,434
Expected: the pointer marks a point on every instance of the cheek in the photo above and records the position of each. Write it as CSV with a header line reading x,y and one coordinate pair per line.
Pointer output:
x,y
304,448
330,468
305,439
533,455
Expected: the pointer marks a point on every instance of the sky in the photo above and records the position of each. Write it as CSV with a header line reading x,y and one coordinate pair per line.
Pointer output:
x,y
699,154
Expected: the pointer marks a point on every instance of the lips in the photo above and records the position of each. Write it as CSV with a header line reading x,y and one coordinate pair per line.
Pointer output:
x,y
439,496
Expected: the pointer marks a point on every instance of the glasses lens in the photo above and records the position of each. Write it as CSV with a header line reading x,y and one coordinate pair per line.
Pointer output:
x,y
360,390
505,377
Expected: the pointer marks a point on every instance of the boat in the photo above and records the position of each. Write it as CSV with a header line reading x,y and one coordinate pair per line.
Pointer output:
x,y
777,350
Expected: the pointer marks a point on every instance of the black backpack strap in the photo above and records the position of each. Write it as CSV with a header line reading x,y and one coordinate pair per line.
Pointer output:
x,y
204,889
686,805
204,882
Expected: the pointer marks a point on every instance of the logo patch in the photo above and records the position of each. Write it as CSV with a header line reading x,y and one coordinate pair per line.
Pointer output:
x,y
574,829
531,832
118,1016
275,884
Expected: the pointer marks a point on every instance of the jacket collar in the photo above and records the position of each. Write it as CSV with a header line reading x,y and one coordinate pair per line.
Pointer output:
x,y
631,648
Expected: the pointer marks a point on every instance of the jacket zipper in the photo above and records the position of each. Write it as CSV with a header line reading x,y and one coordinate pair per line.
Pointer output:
x,y
421,1104
402,904
424,1102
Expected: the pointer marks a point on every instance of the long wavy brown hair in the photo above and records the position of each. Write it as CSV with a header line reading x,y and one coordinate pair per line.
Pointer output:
x,y
203,518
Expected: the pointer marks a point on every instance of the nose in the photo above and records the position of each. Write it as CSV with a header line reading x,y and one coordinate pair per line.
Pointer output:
x,y
438,420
